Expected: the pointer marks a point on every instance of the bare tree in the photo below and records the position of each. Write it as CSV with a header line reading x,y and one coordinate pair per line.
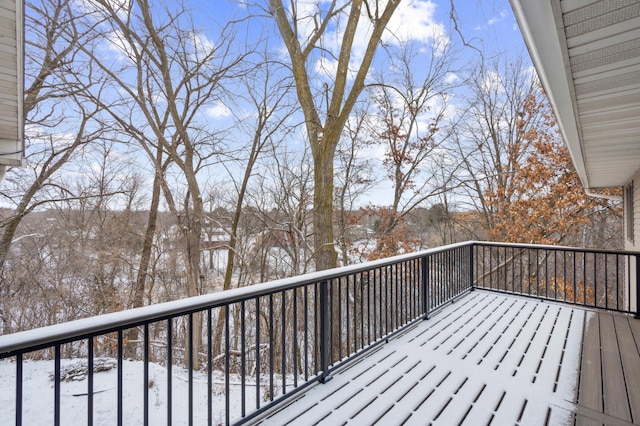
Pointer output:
x,y
489,137
267,93
290,218
410,105
72,259
166,74
282,199
56,74
327,109
355,177
160,165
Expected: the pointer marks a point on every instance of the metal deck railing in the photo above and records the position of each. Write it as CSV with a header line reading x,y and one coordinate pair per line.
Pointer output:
x,y
603,279
272,340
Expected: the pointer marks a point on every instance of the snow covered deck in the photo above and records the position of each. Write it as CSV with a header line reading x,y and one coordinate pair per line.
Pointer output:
x,y
489,358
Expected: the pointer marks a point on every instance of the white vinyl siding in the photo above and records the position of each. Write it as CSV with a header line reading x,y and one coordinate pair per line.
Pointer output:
x,y
11,82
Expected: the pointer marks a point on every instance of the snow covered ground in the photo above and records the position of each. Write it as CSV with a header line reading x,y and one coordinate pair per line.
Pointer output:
x,y
39,395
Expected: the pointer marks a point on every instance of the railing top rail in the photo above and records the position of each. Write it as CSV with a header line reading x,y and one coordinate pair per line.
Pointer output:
x,y
554,247
82,328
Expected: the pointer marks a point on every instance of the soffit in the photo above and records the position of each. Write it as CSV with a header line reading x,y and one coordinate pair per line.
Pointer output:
x,y
587,54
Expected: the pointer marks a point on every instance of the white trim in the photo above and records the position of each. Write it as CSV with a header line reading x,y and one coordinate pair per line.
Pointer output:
x,y
13,154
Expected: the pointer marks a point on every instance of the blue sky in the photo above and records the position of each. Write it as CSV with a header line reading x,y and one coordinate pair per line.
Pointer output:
x,y
486,25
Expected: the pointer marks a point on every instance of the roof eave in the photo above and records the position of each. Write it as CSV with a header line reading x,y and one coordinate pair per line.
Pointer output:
x,y
553,69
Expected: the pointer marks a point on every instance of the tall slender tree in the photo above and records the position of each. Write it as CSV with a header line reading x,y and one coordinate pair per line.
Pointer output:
x,y
490,135
266,102
166,73
410,102
327,109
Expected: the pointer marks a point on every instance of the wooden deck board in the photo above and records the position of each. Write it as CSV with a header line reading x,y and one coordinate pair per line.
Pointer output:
x,y
487,359
630,364
613,389
590,390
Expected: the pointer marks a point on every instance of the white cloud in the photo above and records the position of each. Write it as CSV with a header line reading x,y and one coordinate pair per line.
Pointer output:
x,y
501,17
412,21
40,137
327,67
415,21
119,44
373,152
202,46
531,73
451,78
218,110
121,7
492,81
307,12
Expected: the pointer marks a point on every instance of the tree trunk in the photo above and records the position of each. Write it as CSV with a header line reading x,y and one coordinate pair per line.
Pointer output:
x,y
137,299
326,255
145,257
192,241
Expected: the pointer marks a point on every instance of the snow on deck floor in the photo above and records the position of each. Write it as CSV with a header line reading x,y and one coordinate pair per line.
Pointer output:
x,y
487,359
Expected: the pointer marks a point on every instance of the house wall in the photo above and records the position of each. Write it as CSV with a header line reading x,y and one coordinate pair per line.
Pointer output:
x,y
632,229
632,235
11,82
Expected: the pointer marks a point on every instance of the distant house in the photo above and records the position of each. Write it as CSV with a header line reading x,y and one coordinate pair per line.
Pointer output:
x,y
214,238
11,82
587,54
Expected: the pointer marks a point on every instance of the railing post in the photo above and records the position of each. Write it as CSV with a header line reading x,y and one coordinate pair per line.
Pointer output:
x,y
637,314
471,266
324,331
425,286
57,380
19,383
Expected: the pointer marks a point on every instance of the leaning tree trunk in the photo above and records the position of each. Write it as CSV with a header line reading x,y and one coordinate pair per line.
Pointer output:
x,y
137,299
